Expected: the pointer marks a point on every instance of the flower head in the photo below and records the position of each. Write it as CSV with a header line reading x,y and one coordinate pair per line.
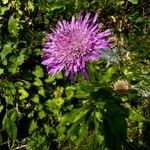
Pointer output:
x,y
121,86
71,45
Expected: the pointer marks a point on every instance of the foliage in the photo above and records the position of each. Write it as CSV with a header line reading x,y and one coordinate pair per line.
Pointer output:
x,y
43,112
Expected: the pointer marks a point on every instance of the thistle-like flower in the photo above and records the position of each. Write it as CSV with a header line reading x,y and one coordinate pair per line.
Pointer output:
x,y
121,87
71,45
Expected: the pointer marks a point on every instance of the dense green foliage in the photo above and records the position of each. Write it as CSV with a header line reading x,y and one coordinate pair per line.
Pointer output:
x,y
41,112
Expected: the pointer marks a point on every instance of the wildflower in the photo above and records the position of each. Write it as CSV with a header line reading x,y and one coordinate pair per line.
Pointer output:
x,y
71,45
121,86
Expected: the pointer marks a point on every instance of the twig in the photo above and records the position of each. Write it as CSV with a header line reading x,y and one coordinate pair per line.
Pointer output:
x,y
19,147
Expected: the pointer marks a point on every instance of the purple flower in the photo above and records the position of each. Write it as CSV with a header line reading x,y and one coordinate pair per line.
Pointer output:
x,y
71,45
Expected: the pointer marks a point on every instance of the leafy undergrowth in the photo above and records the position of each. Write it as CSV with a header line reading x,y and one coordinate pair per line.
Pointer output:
x,y
41,112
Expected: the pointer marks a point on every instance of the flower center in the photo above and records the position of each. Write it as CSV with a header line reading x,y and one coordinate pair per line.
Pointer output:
x,y
76,45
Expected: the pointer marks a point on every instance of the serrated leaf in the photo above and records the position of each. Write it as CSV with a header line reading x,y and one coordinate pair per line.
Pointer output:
x,y
12,26
24,93
50,79
54,105
10,89
6,50
36,98
38,82
38,72
41,91
16,61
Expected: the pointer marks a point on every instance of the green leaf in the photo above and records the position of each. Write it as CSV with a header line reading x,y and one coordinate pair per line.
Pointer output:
x,y
11,129
70,91
77,4
61,129
16,61
38,72
86,87
41,91
10,89
98,116
33,126
108,75
1,71
24,93
124,98
41,114
135,115
38,82
82,133
59,76
38,52
36,98
7,49
49,129
1,108
74,115
9,123
12,26
133,1
30,5
54,105
5,1
9,99
56,7
50,79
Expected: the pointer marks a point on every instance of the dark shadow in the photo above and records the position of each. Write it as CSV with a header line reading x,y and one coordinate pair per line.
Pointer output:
x,y
115,125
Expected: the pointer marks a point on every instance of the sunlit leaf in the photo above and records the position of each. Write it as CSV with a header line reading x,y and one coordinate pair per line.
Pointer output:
x,y
23,93
38,82
108,75
38,72
12,26
1,71
7,49
5,1
133,1
16,61
30,5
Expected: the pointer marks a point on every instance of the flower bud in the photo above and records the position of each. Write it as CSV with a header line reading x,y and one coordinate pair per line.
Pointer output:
x,y
121,87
